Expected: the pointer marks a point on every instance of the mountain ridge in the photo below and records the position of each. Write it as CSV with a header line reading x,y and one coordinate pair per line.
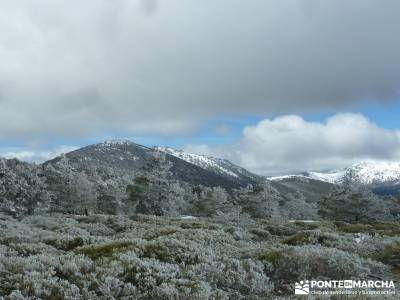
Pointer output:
x,y
219,165
365,172
109,177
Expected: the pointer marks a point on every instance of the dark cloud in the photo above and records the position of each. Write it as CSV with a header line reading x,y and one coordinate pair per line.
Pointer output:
x,y
149,6
74,68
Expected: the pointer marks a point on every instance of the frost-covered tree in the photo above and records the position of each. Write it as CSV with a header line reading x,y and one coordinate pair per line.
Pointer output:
x,y
210,201
297,207
354,204
107,204
259,201
153,191
72,189
22,188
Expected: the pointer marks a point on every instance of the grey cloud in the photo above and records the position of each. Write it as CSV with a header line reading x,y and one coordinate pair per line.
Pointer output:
x,y
149,6
72,68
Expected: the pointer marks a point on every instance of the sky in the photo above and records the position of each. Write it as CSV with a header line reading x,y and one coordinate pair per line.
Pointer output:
x,y
275,86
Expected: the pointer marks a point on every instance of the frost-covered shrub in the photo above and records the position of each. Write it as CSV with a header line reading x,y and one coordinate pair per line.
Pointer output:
x,y
246,276
391,254
114,288
54,223
147,273
97,229
281,229
260,234
27,249
74,265
183,288
296,263
148,257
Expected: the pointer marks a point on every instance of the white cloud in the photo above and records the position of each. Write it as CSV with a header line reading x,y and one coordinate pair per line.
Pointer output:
x,y
290,144
37,156
21,155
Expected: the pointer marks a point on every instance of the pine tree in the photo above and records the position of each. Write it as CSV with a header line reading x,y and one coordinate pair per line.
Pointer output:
x,y
151,192
352,204
211,201
22,188
259,201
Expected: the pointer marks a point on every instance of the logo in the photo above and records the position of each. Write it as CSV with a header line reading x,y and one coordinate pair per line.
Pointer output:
x,y
344,287
302,288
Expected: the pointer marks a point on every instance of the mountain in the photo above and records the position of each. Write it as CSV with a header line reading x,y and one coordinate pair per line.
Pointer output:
x,y
114,176
364,173
127,158
381,177
219,166
97,178
371,172
312,189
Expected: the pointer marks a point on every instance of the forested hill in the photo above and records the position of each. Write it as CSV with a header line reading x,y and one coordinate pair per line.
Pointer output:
x,y
97,178
121,177
127,158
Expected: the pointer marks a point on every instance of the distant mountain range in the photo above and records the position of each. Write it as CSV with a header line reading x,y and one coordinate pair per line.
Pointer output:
x,y
381,177
97,176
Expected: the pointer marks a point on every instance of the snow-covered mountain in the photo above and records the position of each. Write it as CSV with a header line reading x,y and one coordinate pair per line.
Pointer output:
x,y
373,172
216,165
98,176
126,158
364,173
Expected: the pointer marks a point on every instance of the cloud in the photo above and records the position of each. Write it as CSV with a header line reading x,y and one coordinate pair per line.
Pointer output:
x,y
81,68
289,144
37,156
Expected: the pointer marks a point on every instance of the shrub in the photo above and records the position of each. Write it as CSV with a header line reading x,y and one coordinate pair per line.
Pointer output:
x,y
316,262
391,254
107,250
160,258
387,229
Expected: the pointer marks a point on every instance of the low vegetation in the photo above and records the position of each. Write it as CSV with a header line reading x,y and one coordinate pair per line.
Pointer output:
x,y
148,257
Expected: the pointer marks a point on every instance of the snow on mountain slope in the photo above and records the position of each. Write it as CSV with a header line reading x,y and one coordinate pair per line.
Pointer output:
x,y
370,172
122,160
334,177
205,162
366,173
217,165
331,177
284,177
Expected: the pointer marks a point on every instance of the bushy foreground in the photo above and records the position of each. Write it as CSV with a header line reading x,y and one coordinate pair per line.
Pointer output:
x,y
145,257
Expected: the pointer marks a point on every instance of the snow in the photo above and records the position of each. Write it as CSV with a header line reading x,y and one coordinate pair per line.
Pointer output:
x,y
202,161
331,177
303,221
116,142
367,172
360,237
188,218
283,177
